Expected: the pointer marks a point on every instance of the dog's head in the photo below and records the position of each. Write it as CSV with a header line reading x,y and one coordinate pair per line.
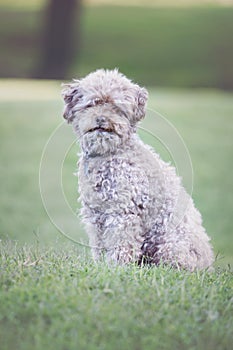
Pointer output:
x,y
104,108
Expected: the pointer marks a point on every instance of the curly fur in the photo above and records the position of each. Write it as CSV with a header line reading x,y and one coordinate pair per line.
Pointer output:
x,y
130,197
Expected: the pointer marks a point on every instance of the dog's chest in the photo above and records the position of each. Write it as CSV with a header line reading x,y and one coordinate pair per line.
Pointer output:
x,y
115,182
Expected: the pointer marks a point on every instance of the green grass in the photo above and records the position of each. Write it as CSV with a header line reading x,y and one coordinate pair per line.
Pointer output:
x,y
52,296
58,300
157,46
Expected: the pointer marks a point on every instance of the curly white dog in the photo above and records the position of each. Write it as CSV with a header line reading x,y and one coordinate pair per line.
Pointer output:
x,y
130,197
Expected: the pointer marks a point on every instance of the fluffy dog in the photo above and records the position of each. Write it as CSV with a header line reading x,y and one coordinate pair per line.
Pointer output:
x,y
130,197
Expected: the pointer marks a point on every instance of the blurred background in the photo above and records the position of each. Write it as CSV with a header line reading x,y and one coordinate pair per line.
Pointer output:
x,y
182,43
181,50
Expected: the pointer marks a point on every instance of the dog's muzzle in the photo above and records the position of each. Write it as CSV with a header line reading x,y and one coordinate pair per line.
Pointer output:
x,y
100,129
101,125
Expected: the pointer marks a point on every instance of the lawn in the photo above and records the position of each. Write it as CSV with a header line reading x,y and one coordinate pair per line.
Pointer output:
x,y
51,295
59,300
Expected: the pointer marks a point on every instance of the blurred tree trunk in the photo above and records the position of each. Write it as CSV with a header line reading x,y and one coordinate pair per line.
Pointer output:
x,y
60,42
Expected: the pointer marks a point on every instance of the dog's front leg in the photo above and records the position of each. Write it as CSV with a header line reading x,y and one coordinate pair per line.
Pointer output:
x,y
123,240
95,240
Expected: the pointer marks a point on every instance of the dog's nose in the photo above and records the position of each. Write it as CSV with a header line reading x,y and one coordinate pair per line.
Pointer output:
x,y
101,119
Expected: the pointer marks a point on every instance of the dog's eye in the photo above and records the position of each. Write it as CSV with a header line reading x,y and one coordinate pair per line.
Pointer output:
x,y
93,103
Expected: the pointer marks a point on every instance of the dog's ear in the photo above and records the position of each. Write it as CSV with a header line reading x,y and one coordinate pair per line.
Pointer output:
x,y
71,95
141,100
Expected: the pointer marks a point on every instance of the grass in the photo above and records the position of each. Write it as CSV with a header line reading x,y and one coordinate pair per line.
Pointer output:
x,y
57,300
52,296
166,46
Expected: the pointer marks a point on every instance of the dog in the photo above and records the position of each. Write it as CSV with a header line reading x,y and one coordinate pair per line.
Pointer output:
x,y
130,197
